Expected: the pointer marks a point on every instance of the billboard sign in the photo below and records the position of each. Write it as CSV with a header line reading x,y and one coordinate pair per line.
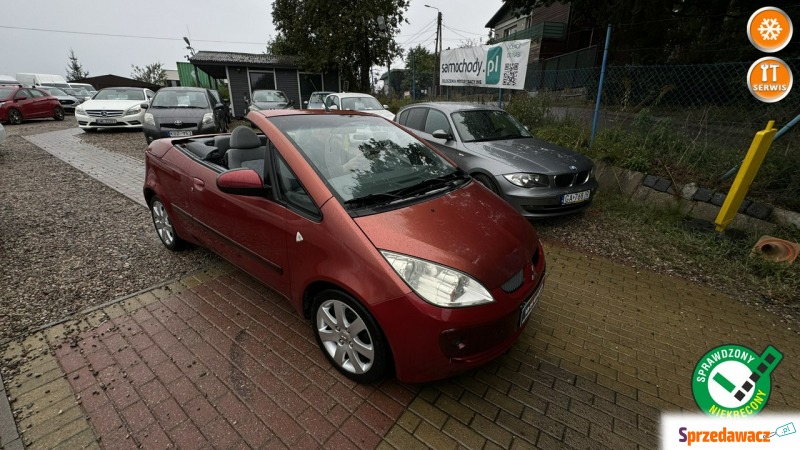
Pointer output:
x,y
500,65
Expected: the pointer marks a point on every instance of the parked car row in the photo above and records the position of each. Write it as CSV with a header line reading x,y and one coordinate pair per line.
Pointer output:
x,y
19,103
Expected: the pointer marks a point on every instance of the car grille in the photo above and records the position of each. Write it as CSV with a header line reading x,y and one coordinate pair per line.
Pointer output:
x,y
571,179
67,102
514,282
172,126
104,113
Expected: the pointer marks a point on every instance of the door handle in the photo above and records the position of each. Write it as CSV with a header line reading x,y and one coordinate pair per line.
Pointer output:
x,y
199,184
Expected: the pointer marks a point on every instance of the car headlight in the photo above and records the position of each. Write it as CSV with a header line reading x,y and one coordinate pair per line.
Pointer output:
x,y
437,284
78,110
527,180
133,110
148,119
208,118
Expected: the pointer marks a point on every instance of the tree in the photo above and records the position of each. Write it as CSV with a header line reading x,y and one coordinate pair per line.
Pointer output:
x,y
349,36
422,61
74,69
151,73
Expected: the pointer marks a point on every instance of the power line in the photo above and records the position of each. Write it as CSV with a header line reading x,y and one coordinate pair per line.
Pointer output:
x,y
160,38
421,30
427,28
464,31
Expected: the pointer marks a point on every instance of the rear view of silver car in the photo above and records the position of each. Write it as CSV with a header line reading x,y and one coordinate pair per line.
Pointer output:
x,y
538,178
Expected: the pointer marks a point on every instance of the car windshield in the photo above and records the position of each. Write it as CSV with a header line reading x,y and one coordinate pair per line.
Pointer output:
x,y
76,92
367,161
180,99
487,125
269,96
53,90
6,92
361,103
120,94
318,97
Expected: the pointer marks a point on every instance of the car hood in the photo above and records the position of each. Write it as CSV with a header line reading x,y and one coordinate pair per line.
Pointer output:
x,y
531,154
385,113
110,104
164,115
270,105
469,229
66,97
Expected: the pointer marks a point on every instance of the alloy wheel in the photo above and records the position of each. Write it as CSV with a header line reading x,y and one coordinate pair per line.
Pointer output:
x,y
163,225
14,117
345,336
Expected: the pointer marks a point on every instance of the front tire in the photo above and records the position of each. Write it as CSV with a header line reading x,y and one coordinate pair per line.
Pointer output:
x,y
14,117
349,336
163,223
486,181
58,113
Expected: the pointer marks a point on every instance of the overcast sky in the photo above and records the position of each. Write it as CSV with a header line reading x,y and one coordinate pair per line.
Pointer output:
x,y
156,28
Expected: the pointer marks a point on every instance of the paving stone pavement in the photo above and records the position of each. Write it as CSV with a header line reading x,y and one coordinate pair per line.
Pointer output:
x,y
216,360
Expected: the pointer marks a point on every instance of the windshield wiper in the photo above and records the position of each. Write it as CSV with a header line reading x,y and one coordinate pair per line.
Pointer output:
x,y
372,199
430,184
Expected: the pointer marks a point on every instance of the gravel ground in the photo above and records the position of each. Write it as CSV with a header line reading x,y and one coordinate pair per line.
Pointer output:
x,y
83,244
68,241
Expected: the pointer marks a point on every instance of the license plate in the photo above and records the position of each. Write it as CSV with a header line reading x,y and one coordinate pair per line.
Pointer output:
x,y
527,307
577,197
106,121
180,133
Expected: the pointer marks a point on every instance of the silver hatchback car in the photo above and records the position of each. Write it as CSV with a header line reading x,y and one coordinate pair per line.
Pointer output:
x,y
538,178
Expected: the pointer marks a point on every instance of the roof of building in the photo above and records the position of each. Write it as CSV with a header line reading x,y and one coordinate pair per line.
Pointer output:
x,y
103,81
243,58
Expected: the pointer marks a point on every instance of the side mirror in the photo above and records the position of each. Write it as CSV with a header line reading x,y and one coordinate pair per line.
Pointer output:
x,y
333,107
219,106
441,134
144,105
241,182
385,106
305,103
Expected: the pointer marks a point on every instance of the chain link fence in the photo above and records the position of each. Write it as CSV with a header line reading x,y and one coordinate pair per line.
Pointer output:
x,y
689,123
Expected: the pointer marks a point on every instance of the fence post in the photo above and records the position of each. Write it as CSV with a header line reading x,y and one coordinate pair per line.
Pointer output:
x,y
600,87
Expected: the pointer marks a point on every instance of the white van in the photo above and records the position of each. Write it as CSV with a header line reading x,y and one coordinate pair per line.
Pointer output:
x,y
42,79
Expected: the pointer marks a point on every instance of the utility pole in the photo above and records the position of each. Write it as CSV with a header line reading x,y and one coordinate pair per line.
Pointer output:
x,y
437,48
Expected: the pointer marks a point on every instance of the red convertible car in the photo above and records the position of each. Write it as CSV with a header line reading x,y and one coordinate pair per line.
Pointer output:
x,y
400,261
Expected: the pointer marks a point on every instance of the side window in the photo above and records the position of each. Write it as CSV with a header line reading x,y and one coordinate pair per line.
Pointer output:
x,y
336,102
149,94
36,93
436,121
328,101
416,118
22,94
401,119
291,189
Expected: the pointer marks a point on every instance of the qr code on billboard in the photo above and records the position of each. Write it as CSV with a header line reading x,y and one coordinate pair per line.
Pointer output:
x,y
510,74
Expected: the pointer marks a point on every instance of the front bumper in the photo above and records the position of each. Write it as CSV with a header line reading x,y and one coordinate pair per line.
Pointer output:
x,y
431,343
153,132
130,121
545,201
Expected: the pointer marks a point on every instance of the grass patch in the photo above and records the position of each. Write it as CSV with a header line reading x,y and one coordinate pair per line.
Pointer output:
x,y
659,238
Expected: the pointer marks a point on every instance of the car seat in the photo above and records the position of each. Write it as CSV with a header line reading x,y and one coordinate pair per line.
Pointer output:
x,y
246,151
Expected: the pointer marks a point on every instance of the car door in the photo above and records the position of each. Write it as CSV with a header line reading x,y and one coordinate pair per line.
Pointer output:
x,y
41,103
174,181
246,230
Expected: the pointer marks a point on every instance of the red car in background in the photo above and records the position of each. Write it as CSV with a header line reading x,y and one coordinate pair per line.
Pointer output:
x,y
20,103
396,256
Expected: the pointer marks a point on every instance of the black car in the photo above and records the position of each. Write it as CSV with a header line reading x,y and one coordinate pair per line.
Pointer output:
x,y
225,115
182,111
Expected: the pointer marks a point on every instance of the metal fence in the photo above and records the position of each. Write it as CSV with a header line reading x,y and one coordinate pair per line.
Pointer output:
x,y
689,122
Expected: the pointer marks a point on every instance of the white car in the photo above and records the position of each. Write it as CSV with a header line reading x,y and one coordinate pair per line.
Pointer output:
x,y
118,107
358,102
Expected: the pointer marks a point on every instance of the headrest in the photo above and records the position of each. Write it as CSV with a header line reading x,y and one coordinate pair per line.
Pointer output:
x,y
244,137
